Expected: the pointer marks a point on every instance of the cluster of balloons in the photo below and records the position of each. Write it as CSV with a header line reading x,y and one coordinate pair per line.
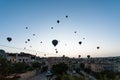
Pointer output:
x,y
54,42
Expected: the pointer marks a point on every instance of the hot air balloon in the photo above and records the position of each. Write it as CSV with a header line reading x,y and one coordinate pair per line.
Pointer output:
x,y
9,39
44,54
51,27
33,34
98,47
28,39
56,51
55,42
83,38
30,46
25,41
63,56
75,32
79,56
88,56
26,27
66,16
80,42
41,42
58,21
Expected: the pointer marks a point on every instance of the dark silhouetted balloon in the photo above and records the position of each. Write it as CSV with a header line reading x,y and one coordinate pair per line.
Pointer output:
x,y
28,39
55,42
80,42
30,46
25,41
9,39
79,56
33,34
88,56
41,42
56,51
75,32
51,27
44,54
83,38
58,21
26,27
63,56
66,16
98,47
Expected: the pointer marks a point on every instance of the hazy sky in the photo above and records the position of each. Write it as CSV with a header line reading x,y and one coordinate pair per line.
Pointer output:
x,y
98,21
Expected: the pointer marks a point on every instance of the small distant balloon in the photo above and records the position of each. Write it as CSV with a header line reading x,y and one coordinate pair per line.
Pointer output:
x,y
55,42
41,42
28,39
79,56
51,27
30,46
75,32
33,34
56,51
58,21
25,41
83,38
44,54
98,47
66,16
88,56
26,27
9,39
80,42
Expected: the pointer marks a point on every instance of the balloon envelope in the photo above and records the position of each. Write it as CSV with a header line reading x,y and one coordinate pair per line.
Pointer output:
x,y
51,27
25,41
28,39
80,42
33,34
75,32
56,51
55,42
9,39
66,16
26,27
88,56
98,47
58,21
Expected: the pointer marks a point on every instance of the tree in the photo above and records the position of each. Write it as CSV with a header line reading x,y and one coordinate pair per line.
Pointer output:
x,y
60,68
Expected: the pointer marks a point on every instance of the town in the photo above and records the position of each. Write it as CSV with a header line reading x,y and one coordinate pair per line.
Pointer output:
x,y
90,67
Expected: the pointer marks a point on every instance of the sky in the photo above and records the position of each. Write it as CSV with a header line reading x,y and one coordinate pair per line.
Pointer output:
x,y
98,21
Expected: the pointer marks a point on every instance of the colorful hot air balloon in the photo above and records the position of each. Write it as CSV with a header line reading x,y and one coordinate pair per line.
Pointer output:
x,y
55,42
9,39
